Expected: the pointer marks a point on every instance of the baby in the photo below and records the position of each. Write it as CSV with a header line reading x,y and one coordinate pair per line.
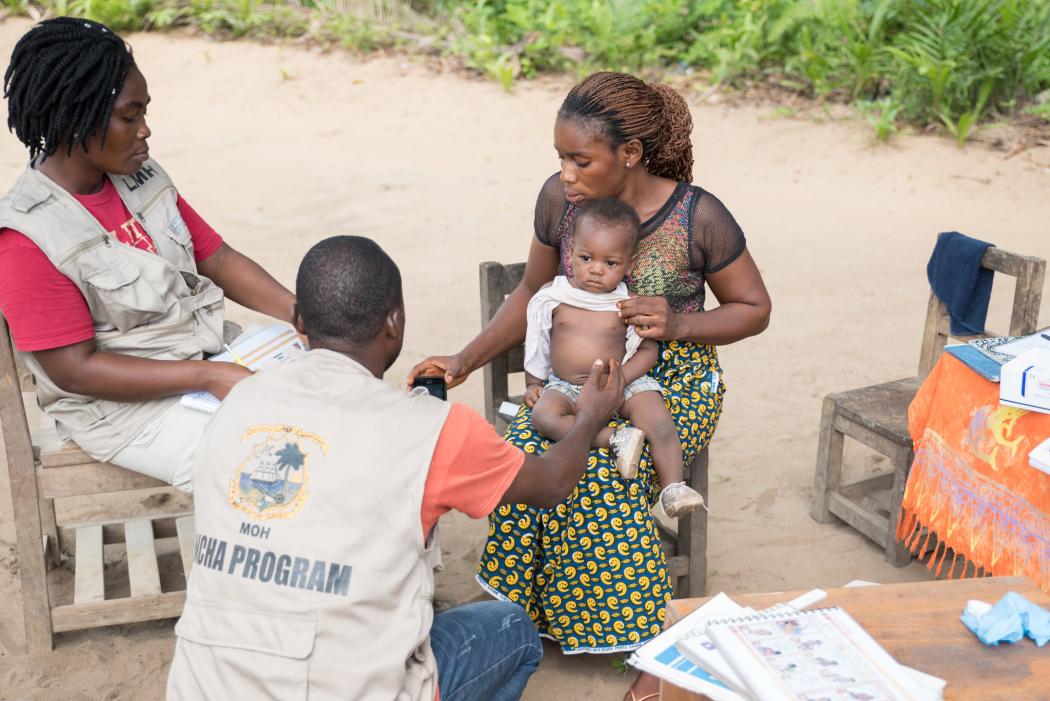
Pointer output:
x,y
574,320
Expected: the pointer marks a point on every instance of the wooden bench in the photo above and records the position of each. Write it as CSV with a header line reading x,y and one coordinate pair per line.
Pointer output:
x,y
877,416
686,547
41,468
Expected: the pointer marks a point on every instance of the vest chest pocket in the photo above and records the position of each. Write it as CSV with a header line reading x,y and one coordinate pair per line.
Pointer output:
x,y
119,293
176,232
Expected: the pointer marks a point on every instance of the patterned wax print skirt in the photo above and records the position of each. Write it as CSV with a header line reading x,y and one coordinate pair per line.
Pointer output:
x,y
591,572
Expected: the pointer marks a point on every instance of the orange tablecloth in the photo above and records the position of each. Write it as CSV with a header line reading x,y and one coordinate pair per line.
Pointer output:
x,y
971,483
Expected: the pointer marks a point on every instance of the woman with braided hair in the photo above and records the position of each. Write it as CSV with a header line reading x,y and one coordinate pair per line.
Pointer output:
x,y
591,571
111,284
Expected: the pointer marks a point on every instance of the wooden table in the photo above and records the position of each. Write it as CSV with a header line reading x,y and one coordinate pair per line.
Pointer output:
x,y
918,623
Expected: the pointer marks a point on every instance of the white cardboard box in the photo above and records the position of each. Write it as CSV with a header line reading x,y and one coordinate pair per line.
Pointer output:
x,y
1025,381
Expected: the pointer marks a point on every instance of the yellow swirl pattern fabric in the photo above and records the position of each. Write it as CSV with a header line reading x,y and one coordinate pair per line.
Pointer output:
x,y
591,572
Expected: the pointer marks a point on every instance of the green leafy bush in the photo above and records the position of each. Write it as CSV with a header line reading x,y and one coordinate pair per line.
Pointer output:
x,y
948,63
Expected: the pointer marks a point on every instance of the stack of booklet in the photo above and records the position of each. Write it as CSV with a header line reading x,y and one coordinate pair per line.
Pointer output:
x,y
986,356
257,348
731,653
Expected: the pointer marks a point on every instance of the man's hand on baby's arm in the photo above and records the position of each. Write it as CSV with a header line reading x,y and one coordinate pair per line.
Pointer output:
x,y
601,395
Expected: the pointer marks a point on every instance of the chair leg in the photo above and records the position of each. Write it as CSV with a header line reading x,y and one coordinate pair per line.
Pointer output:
x,y
692,534
896,554
828,477
32,567
49,527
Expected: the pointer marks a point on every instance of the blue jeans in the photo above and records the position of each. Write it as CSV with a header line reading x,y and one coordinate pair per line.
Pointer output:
x,y
485,651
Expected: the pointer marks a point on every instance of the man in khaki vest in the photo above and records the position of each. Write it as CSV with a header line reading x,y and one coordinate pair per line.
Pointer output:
x,y
318,488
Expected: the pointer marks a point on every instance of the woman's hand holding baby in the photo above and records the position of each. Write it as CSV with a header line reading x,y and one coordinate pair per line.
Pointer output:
x,y
651,317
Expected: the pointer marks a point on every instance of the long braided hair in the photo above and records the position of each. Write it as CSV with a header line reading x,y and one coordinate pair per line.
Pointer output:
x,y
625,108
64,76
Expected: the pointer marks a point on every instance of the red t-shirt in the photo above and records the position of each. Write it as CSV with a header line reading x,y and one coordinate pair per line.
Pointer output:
x,y
470,470
43,308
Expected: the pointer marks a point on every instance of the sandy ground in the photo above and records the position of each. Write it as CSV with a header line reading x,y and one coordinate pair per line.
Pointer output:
x,y
280,147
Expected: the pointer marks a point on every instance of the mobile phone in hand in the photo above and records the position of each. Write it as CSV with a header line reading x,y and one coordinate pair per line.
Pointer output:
x,y
432,385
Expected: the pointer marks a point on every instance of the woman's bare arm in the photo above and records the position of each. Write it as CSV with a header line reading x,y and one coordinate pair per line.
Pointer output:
x,y
81,368
246,283
505,331
743,310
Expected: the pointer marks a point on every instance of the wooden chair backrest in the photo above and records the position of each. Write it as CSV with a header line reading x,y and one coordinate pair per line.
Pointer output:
x,y
1024,317
498,281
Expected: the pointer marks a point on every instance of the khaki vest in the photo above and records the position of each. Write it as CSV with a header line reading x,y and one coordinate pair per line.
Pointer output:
x,y
311,577
153,306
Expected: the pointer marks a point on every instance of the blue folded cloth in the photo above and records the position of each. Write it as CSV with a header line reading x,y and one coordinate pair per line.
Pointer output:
x,y
957,278
1011,618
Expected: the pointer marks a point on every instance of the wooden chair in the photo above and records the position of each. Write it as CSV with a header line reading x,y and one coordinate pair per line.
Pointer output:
x,y
877,416
687,548
41,469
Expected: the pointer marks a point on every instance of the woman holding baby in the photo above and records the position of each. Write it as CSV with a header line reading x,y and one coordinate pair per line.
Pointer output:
x,y
591,572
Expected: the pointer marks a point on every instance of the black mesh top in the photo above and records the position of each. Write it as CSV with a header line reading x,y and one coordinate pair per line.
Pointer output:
x,y
692,234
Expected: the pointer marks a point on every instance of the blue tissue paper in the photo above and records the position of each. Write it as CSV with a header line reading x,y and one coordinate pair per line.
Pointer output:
x,y
1009,620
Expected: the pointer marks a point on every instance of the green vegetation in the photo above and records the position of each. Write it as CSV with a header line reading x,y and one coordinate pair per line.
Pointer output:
x,y
945,63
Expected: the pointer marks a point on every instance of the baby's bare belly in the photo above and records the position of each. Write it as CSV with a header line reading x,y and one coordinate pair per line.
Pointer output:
x,y
579,337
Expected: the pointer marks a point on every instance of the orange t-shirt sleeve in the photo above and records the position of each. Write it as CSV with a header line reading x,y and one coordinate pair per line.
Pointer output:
x,y
471,469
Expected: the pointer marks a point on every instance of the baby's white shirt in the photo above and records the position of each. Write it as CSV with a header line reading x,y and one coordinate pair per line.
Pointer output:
x,y
541,312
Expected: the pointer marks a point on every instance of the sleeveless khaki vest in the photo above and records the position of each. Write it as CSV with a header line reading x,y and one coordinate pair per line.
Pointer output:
x,y
153,306
311,577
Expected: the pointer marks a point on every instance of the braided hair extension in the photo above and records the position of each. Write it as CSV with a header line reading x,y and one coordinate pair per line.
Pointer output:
x,y
625,108
64,76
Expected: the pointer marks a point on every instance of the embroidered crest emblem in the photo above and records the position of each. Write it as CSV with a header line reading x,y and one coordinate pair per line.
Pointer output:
x,y
272,481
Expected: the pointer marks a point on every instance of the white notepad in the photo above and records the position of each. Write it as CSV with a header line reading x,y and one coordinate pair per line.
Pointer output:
x,y
819,654
258,349
662,657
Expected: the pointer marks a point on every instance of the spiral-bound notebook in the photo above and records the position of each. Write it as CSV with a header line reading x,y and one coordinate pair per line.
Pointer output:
x,y
1003,349
805,656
